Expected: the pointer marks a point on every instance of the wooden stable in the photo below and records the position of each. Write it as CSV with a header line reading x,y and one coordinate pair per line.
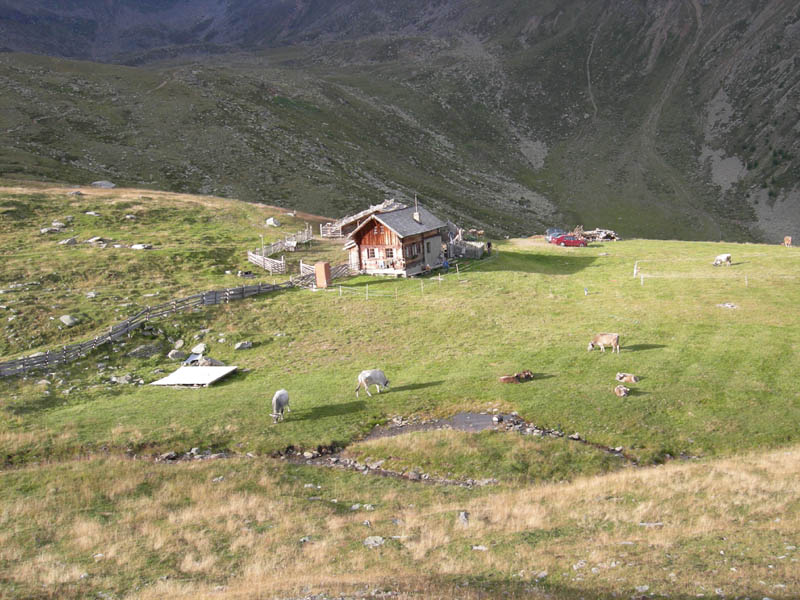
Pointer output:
x,y
402,242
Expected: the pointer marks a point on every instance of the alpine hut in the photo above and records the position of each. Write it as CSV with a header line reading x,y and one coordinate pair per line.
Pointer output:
x,y
402,242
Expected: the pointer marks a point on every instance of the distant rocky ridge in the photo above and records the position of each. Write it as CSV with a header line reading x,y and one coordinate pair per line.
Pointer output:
x,y
671,118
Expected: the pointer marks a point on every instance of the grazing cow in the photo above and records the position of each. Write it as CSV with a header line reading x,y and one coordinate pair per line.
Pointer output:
x,y
627,378
722,259
525,375
374,377
280,402
603,340
787,240
621,391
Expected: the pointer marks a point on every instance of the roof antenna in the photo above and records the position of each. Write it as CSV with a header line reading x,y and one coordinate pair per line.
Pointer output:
x,y
415,216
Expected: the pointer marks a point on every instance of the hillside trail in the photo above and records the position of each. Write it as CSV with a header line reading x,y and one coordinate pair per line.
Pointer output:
x,y
649,130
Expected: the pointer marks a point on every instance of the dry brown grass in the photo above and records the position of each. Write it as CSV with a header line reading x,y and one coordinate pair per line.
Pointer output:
x,y
679,528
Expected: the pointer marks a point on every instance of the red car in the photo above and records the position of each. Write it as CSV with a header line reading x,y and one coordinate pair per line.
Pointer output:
x,y
568,240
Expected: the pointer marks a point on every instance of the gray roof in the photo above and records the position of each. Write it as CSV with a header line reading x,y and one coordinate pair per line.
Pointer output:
x,y
403,224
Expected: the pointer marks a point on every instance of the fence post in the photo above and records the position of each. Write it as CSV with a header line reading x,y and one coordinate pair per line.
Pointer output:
x,y
340,287
421,288
367,291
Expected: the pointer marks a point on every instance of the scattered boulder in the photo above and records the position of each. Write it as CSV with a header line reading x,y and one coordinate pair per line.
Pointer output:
x,y
199,349
146,350
45,230
121,379
130,217
142,247
207,361
178,345
91,294
243,345
68,242
68,320
104,184
176,355
374,541
463,517
92,213
273,222
75,193
480,548
95,240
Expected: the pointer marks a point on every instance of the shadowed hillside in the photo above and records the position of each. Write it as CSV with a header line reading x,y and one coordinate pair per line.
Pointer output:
x,y
660,119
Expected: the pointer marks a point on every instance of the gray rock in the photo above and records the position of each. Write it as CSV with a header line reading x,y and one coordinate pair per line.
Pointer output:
x,y
107,185
141,247
91,294
243,345
176,355
58,224
207,361
374,541
68,242
122,379
463,517
305,539
68,320
94,240
146,350
130,217
92,213
49,230
199,349
178,345
75,193
480,548
575,436
168,456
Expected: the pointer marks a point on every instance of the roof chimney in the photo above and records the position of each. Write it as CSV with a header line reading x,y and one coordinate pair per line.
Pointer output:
x,y
415,215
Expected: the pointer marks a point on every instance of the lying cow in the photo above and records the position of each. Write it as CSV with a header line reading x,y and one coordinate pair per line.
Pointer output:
x,y
722,259
525,375
603,340
621,391
627,378
280,402
374,377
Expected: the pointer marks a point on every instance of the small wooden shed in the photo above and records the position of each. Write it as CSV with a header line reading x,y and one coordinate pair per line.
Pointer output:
x,y
402,242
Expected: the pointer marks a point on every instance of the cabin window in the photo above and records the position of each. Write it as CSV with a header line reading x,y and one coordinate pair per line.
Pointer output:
x,y
427,247
370,252
389,253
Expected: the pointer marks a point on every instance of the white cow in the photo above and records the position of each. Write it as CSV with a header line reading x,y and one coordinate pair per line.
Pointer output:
x,y
280,402
374,377
722,259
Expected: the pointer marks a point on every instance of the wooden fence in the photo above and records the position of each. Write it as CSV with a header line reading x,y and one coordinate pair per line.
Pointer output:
x,y
330,230
268,264
72,352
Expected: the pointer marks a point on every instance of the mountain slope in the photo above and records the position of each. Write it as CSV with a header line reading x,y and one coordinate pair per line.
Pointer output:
x,y
660,119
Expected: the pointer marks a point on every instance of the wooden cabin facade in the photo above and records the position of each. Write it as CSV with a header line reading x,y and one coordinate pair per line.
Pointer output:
x,y
402,242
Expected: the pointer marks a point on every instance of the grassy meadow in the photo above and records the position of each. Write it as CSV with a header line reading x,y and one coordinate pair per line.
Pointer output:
x,y
706,505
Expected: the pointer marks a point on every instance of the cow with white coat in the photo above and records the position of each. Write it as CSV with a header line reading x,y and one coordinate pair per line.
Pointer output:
x,y
722,259
370,377
280,402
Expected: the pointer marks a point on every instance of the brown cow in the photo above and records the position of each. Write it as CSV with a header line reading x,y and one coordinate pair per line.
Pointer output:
x,y
525,375
787,240
627,378
621,391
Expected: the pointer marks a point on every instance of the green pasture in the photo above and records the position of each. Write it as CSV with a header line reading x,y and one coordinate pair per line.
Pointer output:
x,y
714,379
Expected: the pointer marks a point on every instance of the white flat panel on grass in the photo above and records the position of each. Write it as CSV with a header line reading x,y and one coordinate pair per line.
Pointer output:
x,y
195,376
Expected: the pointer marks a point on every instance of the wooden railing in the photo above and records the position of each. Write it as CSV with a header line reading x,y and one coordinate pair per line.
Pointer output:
x,y
74,351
